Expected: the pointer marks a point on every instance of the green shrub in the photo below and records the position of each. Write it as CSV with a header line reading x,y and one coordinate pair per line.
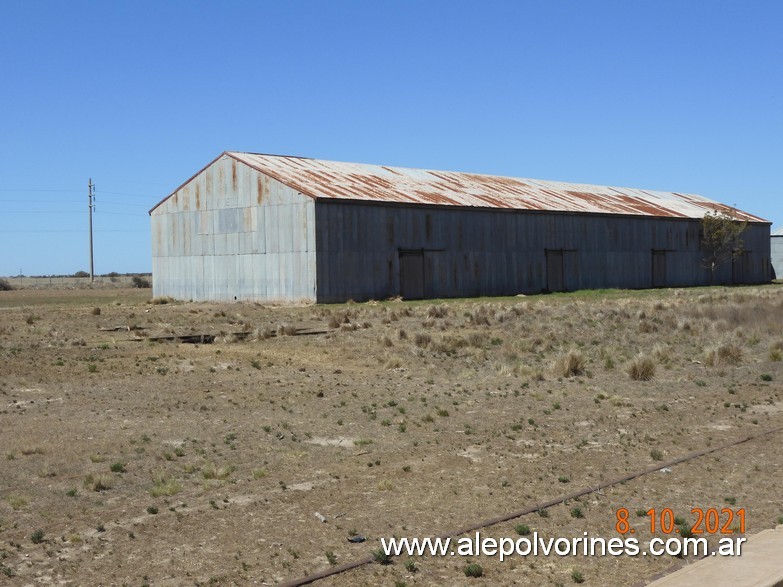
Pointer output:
x,y
473,570
140,282
381,557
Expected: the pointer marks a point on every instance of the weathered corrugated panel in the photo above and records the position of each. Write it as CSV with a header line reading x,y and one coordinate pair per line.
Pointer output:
x,y
776,253
355,181
231,233
489,252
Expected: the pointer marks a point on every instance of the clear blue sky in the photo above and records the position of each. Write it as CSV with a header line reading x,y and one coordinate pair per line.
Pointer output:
x,y
668,95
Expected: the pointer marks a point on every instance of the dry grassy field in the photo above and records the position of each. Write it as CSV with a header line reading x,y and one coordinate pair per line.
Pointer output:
x,y
126,460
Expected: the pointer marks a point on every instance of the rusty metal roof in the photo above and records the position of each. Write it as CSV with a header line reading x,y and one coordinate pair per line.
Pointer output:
x,y
377,183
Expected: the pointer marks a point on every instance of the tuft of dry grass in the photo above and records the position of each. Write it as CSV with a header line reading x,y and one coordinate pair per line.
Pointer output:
x,y
725,354
160,300
261,334
393,363
16,501
571,364
286,330
642,368
211,471
662,352
99,482
481,316
337,319
422,339
437,311
776,351
164,486
384,485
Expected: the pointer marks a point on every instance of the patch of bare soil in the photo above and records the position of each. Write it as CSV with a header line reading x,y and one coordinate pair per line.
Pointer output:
x,y
130,457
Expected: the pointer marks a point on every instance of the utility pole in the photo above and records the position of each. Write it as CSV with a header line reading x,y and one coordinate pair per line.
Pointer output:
x,y
91,206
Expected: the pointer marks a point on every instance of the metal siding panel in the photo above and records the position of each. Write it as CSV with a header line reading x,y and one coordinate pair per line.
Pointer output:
x,y
288,275
187,235
285,225
274,283
776,255
197,287
248,275
271,228
223,273
323,259
299,278
312,270
259,235
208,242
218,279
221,244
311,225
210,197
245,180
209,278
197,239
232,244
260,277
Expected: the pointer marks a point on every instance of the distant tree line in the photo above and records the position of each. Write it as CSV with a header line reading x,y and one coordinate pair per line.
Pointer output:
x,y
86,274
140,280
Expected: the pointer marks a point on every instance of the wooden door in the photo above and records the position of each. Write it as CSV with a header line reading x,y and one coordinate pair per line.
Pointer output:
x,y
412,275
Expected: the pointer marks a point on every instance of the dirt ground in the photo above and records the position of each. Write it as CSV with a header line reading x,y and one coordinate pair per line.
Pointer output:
x,y
126,460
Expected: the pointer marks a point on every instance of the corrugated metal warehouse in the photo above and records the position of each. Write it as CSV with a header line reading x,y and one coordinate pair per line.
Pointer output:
x,y
274,228
776,247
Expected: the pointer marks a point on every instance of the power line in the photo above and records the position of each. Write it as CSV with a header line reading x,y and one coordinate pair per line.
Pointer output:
x,y
59,230
41,212
31,190
69,191
126,194
69,212
28,201
102,201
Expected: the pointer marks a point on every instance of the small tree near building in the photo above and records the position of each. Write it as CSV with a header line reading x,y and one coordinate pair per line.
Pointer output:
x,y
721,240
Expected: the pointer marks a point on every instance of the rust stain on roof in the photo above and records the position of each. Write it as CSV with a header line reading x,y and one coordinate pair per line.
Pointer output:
x,y
336,180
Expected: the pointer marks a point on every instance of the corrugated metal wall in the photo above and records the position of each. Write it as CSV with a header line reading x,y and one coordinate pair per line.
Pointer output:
x,y
232,233
470,252
777,255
